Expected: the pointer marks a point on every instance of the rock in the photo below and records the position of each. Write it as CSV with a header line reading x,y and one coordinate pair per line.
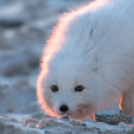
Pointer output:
x,y
89,120
40,115
42,123
110,116
49,123
8,127
75,123
64,118
7,119
122,124
130,119
11,22
31,125
30,120
12,15
84,124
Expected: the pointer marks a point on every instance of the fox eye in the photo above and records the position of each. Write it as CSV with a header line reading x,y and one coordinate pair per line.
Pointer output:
x,y
54,88
79,88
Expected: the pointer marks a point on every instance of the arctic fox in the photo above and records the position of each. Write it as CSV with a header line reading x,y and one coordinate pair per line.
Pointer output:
x,y
88,61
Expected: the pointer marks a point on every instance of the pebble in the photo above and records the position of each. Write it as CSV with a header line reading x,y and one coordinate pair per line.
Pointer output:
x,y
75,123
30,120
51,123
64,118
31,125
41,123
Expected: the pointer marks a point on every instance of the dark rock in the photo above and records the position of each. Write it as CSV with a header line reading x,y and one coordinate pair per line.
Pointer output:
x,y
110,116
11,23
130,119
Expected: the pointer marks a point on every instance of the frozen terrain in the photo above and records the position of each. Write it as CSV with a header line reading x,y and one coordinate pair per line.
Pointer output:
x,y
24,26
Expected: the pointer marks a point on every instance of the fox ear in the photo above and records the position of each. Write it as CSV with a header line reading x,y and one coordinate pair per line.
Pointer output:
x,y
93,60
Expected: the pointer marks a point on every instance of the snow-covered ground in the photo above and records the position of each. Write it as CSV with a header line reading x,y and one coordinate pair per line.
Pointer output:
x,y
24,26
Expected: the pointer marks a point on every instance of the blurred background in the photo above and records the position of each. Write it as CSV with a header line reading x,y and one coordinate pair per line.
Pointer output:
x,y
24,26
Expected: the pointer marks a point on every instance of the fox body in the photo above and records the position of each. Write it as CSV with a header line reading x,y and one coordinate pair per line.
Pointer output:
x,y
91,49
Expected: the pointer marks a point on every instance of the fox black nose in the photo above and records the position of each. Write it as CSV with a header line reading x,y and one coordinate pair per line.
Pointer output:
x,y
64,108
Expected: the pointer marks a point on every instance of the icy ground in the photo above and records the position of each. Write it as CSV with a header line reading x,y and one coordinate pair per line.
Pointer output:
x,y
24,26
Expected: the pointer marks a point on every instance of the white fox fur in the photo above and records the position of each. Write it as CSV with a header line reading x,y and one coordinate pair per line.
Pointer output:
x,y
94,47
